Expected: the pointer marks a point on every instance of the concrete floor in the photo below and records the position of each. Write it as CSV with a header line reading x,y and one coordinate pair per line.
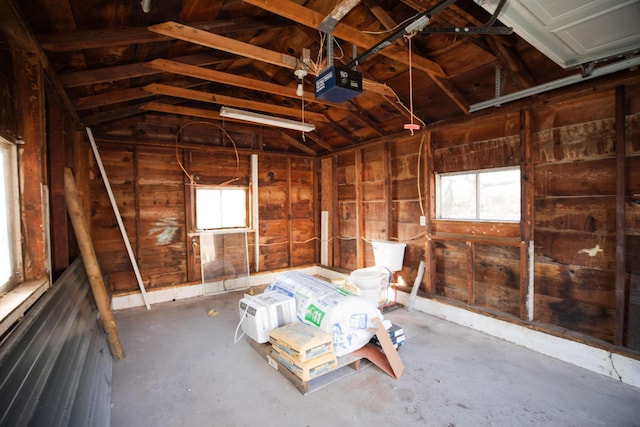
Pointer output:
x,y
183,369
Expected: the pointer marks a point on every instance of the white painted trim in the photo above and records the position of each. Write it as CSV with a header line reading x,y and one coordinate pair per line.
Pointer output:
x,y
613,365
123,302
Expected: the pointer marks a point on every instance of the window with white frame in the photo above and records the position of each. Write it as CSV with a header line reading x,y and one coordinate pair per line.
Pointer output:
x,y
10,254
480,195
219,207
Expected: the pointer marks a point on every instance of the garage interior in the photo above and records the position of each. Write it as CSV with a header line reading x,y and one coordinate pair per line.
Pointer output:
x,y
338,125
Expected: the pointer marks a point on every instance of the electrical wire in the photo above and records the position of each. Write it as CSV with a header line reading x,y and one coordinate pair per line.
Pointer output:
x,y
235,149
394,28
237,339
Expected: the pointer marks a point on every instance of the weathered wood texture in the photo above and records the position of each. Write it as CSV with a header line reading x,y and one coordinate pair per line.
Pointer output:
x,y
575,212
149,187
382,202
573,153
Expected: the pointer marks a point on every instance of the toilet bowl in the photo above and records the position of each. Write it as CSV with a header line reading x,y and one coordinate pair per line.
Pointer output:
x,y
370,283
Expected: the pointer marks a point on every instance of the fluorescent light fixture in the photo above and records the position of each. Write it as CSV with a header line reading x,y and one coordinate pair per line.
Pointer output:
x,y
249,116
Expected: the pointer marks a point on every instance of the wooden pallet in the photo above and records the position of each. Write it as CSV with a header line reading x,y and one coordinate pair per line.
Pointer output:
x,y
347,366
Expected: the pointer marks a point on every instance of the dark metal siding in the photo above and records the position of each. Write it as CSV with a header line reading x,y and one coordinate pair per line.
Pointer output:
x,y
55,367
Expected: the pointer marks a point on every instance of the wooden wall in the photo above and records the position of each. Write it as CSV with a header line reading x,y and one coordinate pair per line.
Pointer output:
x,y
376,197
154,197
574,194
570,163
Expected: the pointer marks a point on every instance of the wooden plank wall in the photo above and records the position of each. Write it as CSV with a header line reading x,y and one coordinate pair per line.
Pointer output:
x,y
153,195
377,198
566,148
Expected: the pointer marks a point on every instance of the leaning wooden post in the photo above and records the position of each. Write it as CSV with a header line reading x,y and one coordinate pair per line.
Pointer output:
x,y
91,264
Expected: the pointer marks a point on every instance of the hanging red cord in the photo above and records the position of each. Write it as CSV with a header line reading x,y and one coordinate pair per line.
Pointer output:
x,y
411,126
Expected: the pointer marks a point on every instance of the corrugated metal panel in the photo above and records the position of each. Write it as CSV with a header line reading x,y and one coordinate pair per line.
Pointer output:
x,y
55,368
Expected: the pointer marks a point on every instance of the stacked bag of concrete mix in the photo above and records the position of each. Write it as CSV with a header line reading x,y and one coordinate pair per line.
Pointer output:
x,y
347,318
303,349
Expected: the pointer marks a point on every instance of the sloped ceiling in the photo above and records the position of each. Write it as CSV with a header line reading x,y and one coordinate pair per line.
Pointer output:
x,y
137,76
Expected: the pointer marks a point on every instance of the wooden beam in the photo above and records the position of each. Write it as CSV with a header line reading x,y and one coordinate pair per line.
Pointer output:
x,y
169,66
215,41
430,210
162,89
215,115
341,9
30,108
527,200
305,16
360,212
129,71
295,143
90,261
109,38
59,240
383,17
471,273
20,37
181,110
621,176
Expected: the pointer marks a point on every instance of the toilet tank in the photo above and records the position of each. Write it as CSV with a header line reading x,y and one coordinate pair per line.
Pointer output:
x,y
388,254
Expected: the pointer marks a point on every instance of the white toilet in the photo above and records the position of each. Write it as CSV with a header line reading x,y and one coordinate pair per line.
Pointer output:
x,y
372,281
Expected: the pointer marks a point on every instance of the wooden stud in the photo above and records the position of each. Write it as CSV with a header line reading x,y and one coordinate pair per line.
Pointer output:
x,y
74,207
360,214
58,211
430,211
621,174
388,186
29,95
526,208
471,273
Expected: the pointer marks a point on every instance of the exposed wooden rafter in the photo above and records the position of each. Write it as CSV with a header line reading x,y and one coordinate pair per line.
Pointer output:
x,y
216,41
169,66
310,18
178,92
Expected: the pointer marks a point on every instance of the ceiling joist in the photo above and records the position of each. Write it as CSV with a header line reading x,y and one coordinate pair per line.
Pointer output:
x,y
310,18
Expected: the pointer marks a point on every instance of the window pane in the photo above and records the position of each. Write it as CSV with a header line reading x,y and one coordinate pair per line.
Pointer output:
x,y
458,196
221,208
499,195
5,245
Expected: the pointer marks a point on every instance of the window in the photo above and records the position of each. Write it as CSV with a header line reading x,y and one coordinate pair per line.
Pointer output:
x,y
10,257
221,207
482,195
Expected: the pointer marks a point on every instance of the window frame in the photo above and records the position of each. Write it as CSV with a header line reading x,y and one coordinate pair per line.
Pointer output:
x,y
217,230
476,172
12,195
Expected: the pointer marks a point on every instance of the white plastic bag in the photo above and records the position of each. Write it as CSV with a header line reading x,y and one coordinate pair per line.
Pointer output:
x,y
346,317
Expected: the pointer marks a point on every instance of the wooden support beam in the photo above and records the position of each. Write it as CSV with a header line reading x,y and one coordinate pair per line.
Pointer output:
x,y
110,38
30,108
430,209
90,261
57,212
179,92
305,16
297,144
360,212
471,273
527,200
129,71
179,68
388,189
247,50
20,37
621,175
